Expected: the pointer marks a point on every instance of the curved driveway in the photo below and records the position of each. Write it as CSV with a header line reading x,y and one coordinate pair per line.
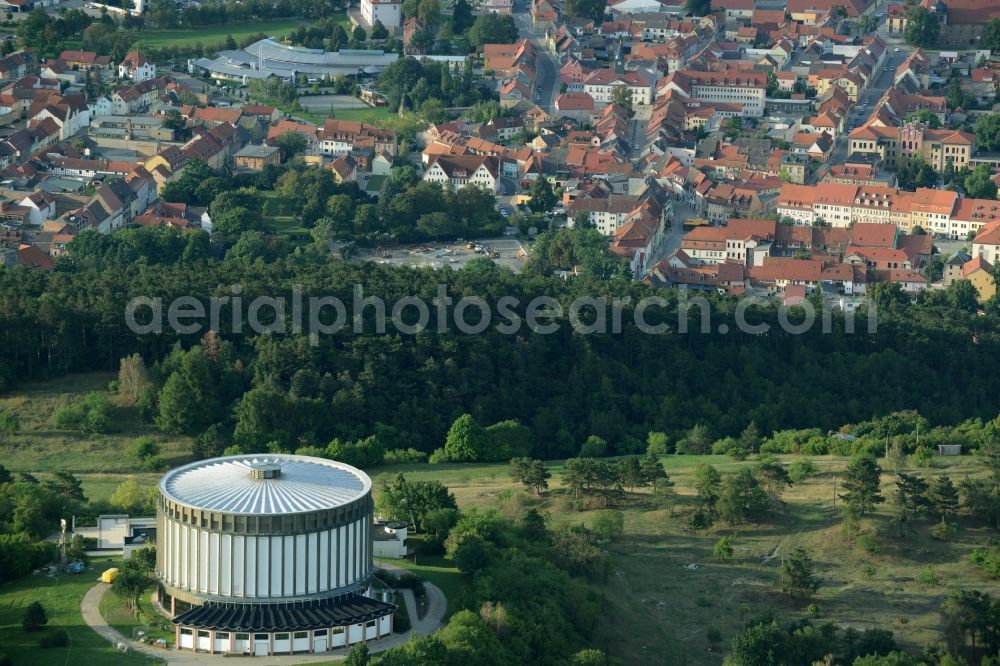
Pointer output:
x,y
437,605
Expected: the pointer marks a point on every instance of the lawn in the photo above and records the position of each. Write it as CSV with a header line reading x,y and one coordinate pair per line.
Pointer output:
x,y
38,447
278,215
216,34
374,116
61,597
118,615
102,486
433,568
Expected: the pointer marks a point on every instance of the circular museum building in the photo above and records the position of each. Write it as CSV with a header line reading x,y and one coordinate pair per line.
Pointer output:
x,y
268,554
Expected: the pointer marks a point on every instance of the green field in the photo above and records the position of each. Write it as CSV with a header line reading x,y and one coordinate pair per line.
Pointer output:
x,y
146,619
60,595
374,116
216,34
38,447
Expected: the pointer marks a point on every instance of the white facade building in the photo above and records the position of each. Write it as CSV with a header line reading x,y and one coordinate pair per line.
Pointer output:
x,y
386,11
136,67
268,554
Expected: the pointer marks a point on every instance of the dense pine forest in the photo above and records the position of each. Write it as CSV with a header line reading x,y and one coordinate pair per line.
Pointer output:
x,y
936,356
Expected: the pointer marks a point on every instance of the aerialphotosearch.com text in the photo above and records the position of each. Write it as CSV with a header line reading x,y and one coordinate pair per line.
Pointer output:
x,y
363,313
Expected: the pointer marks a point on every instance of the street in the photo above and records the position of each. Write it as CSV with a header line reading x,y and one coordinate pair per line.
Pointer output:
x,y
866,104
548,66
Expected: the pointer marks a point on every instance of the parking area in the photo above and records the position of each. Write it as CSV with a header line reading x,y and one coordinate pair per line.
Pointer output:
x,y
507,252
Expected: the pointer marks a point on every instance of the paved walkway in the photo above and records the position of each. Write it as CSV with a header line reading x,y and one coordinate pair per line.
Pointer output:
x,y
437,605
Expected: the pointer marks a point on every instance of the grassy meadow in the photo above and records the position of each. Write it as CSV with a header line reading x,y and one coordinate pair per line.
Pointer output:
x,y
216,34
669,608
39,447
60,595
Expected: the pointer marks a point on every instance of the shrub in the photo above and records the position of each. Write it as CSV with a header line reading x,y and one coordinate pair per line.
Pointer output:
x,y
725,445
817,446
56,638
813,610
609,525
924,456
594,447
438,457
987,559
713,635
91,414
723,548
144,449
67,417
943,531
790,441
404,457
35,617
868,543
9,422
401,620
800,470
700,520
413,582
928,576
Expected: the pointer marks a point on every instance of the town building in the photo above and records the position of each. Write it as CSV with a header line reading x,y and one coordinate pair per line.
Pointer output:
x,y
136,68
387,12
256,157
938,148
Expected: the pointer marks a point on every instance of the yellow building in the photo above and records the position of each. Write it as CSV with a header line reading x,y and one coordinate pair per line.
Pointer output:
x,y
937,147
979,273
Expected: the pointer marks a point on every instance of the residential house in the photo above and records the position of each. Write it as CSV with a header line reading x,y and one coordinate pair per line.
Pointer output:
x,y
102,106
84,60
338,137
344,168
979,272
17,65
42,205
132,99
576,105
136,68
256,157
69,112
987,243
953,267
307,130
57,69
382,164
461,170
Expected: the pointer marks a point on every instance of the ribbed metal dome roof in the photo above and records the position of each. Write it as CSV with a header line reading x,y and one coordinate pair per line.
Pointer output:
x,y
265,484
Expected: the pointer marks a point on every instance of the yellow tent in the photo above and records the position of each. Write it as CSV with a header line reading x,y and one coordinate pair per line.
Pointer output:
x,y
109,575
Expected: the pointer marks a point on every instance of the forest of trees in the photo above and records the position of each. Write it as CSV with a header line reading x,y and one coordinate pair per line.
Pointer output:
x,y
564,387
